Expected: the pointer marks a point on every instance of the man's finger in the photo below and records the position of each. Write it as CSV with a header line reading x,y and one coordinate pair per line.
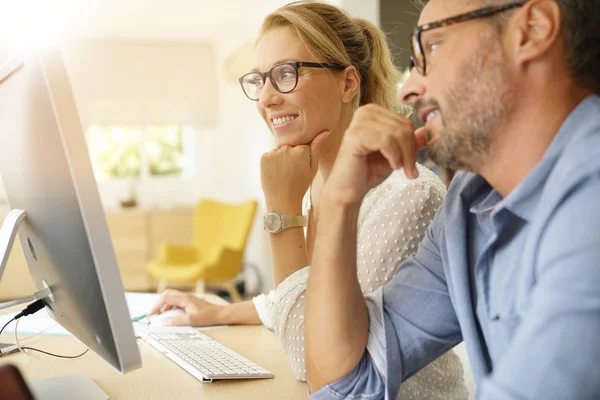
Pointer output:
x,y
409,154
421,138
392,151
380,113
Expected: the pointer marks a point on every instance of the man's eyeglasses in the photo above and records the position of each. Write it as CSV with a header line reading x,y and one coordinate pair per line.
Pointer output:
x,y
284,77
417,59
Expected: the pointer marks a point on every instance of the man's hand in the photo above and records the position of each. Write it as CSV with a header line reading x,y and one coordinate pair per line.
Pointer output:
x,y
376,142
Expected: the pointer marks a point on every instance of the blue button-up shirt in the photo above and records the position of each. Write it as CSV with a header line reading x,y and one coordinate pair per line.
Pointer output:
x,y
518,278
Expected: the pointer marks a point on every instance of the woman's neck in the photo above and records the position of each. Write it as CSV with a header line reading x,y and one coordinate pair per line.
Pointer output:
x,y
332,145
328,154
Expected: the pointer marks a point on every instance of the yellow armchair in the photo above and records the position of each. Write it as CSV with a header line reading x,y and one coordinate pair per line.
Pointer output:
x,y
215,257
178,254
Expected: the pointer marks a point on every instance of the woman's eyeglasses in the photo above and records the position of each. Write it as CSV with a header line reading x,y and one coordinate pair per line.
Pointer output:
x,y
284,77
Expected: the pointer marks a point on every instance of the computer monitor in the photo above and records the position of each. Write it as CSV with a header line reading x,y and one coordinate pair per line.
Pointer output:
x,y
46,171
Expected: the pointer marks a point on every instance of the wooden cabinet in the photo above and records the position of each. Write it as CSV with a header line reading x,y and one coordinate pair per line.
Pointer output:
x,y
129,233
173,226
136,236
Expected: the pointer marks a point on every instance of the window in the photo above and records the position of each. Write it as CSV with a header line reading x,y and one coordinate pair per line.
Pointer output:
x,y
141,152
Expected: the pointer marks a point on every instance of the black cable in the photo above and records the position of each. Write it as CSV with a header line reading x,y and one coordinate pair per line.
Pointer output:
x,y
32,309
54,355
5,325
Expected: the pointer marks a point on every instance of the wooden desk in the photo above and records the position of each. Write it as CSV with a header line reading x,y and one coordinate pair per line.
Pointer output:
x,y
159,377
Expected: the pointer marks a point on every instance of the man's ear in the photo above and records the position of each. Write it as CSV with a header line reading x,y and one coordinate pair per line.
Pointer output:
x,y
350,85
539,27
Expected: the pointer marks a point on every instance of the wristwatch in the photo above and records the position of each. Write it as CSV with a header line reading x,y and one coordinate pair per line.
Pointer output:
x,y
275,222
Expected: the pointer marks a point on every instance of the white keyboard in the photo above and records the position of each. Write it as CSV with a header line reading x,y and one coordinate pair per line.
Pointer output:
x,y
204,358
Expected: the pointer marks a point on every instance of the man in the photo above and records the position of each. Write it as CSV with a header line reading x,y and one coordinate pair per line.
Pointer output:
x,y
511,262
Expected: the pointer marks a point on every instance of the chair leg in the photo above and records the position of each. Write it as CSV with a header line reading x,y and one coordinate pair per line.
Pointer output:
x,y
200,287
162,286
233,293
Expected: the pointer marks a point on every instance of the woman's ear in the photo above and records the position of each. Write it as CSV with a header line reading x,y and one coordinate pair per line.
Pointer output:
x,y
351,84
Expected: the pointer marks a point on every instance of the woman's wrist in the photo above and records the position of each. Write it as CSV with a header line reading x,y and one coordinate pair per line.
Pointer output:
x,y
225,315
242,313
285,206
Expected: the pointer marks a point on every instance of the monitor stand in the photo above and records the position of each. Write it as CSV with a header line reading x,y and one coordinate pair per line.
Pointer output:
x,y
69,387
8,233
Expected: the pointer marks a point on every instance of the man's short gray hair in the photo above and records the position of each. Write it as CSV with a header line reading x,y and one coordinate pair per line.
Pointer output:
x,y
581,31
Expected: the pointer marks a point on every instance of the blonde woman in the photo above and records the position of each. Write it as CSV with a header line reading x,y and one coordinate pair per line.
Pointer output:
x,y
315,66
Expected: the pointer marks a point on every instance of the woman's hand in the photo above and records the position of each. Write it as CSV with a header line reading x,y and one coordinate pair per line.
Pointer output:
x,y
287,173
198,312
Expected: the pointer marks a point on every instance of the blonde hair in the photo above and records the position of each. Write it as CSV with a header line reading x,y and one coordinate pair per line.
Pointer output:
x,y
332,36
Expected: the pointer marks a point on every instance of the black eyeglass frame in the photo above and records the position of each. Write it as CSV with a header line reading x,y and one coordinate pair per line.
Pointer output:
x,y
294,64
469,16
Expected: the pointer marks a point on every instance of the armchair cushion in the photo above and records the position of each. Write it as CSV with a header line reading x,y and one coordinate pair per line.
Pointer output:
x,y
175,254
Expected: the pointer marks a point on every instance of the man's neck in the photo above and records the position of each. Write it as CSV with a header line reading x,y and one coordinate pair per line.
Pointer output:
x,y
522,141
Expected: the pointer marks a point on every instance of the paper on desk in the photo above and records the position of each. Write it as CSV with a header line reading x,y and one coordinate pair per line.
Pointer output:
x,y
41,322
138,304
139,328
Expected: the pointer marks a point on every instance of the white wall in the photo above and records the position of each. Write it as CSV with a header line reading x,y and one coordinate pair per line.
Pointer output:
x,y
240,139
367,9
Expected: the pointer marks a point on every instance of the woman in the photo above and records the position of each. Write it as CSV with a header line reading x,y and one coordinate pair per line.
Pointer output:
x,y
318,66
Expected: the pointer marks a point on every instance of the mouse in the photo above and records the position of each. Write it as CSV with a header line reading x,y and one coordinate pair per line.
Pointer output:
x,y
159,319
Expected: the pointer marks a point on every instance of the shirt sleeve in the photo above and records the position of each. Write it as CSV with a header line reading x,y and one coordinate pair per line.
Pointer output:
x,y
393,221
411,323
555,352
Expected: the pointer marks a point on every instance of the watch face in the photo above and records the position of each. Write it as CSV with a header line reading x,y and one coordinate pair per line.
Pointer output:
x,y
272,222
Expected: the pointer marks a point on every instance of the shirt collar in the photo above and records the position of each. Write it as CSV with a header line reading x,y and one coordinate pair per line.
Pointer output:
x,y
523,200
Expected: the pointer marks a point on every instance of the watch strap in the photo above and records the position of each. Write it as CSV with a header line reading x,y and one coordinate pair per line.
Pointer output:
x,y
292,221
